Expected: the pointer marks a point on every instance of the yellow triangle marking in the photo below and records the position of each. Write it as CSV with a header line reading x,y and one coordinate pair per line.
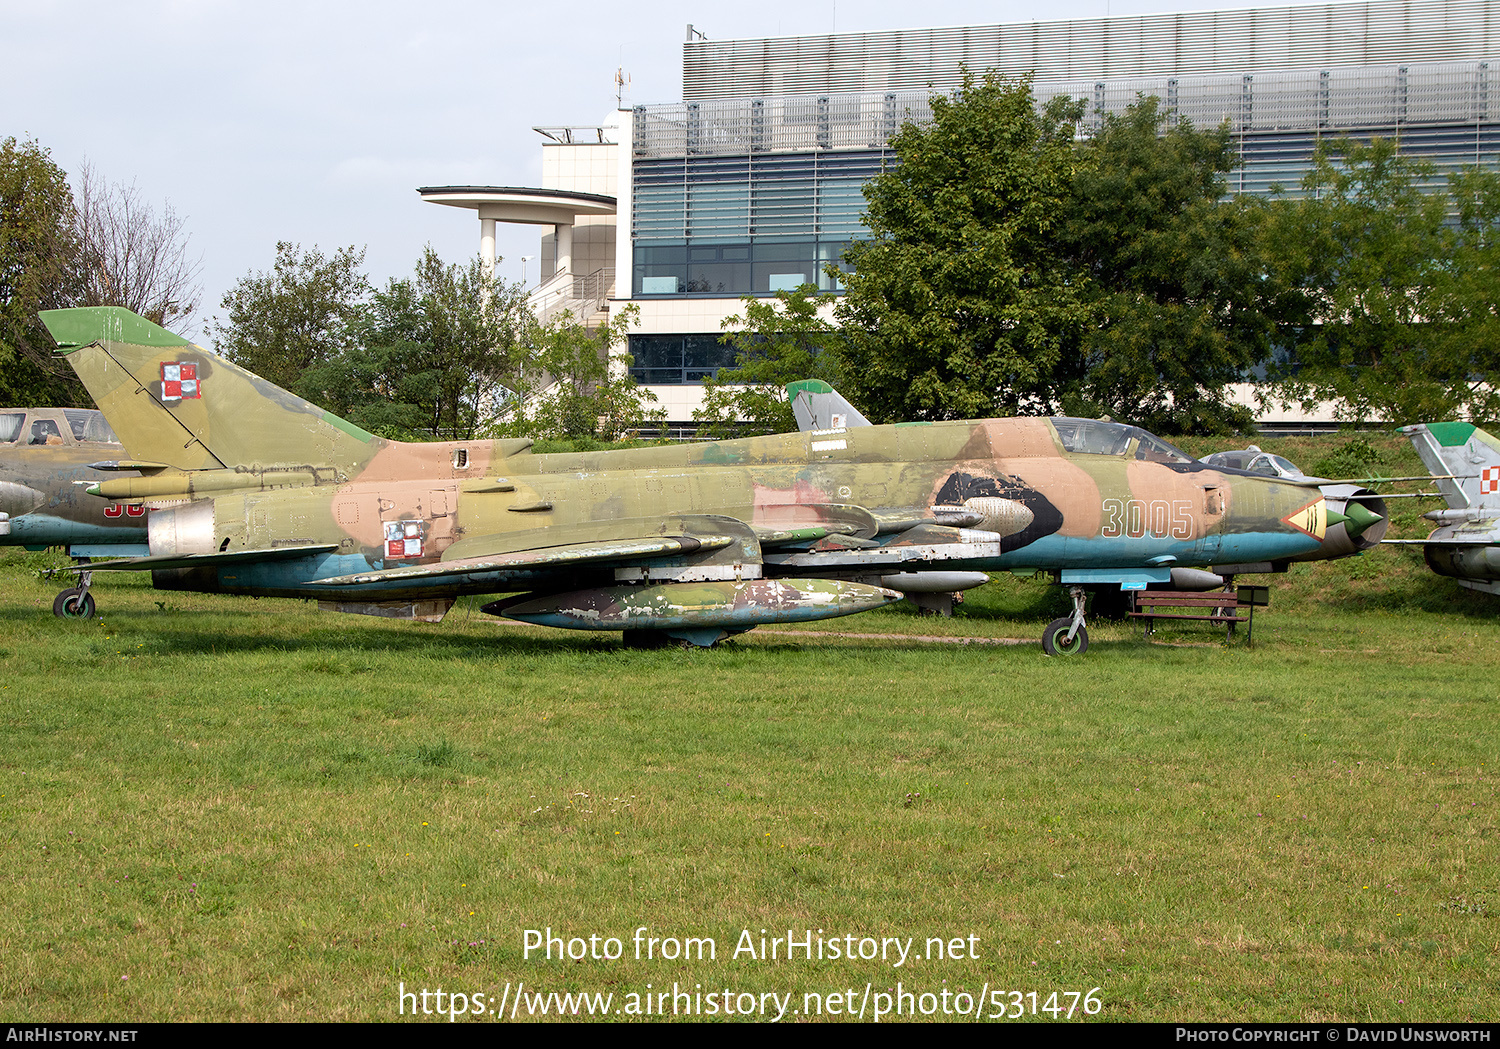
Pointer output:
x,y
1311,519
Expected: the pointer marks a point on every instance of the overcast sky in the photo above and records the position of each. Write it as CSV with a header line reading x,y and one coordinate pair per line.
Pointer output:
x,y
315,122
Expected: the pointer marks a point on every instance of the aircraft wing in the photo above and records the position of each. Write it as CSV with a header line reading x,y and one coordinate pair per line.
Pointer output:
x,y
973,546
696,539
154,561
624,550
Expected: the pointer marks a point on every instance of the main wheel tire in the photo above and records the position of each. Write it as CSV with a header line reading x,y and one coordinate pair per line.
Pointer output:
x,y
1055,638
75,603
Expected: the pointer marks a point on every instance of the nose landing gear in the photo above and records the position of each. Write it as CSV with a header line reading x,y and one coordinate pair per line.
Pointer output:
x,y
76,602
1068,636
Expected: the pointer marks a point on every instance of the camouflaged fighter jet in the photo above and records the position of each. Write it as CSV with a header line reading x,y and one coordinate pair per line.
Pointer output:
x,y
1465,464
1358,517
48,456
253,490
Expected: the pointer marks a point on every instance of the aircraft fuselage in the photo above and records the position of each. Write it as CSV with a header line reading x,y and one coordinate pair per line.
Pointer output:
x,y
1121,511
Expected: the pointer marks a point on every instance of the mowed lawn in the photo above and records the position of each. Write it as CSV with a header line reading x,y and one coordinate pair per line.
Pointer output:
x,y
224,809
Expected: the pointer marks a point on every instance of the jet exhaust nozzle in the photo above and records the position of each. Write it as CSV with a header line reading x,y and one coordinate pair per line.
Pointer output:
x,y
183,530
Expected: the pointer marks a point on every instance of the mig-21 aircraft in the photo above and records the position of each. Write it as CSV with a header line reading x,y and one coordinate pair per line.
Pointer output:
x,y
255,491
48,457
1465,465
1358,515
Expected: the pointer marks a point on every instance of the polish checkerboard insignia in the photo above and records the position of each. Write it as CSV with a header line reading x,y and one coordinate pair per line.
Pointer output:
x,y
179,381
403,539
1489,480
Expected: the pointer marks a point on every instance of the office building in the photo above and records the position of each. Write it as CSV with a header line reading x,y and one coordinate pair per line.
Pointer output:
x,y
752,183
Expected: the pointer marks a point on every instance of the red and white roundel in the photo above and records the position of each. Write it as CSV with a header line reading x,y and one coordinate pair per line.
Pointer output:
x,y
1489,480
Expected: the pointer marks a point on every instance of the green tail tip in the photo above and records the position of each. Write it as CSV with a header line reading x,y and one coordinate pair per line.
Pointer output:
x,y
807,386
83,325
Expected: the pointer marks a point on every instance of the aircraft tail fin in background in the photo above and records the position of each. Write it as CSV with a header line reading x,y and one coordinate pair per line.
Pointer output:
x,y
175,403
819,406
1464,461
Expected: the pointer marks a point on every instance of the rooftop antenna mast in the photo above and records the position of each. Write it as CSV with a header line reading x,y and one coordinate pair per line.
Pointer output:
x,y
622,81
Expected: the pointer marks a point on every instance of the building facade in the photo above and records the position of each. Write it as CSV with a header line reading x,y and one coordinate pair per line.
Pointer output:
x,y
753,182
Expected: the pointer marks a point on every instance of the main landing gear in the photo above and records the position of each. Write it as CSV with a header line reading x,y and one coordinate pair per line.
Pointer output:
x,y
1068,636
76,602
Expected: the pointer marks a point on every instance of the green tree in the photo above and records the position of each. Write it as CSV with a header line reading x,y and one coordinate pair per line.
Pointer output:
x,y
1401,310
435,352
776,341
293,321
960,304
1468,287
1173,275
38,271
573,384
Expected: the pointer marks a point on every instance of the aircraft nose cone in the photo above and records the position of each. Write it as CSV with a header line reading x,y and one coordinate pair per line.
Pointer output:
x,y
18,499
1357,518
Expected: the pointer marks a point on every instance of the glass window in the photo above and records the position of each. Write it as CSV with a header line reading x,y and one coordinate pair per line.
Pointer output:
x,y
660,210
45,431
1153,449
1091,437
703,356
719,209
675,360
10,427
840,205
89,425
783,208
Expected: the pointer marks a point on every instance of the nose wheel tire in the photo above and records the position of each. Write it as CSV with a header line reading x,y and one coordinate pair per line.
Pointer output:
x,y
1055,640
76,603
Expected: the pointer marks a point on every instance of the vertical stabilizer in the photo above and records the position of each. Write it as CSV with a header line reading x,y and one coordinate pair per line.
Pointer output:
x,y
175,403
1467,453
818,406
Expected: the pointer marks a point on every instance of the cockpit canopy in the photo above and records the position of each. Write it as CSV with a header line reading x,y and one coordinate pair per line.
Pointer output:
x,y
1093,437
53,425
1254,461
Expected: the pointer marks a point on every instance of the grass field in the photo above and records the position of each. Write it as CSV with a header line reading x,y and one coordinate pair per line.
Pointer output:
x,y
224,809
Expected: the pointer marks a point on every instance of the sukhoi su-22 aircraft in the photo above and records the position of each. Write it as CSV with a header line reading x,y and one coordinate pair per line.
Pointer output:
x,y
253,490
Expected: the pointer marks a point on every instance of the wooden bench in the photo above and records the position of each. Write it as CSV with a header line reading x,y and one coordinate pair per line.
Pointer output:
x,y
1220,607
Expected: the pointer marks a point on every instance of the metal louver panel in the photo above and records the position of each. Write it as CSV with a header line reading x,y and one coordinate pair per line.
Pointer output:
x,y
1327,35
